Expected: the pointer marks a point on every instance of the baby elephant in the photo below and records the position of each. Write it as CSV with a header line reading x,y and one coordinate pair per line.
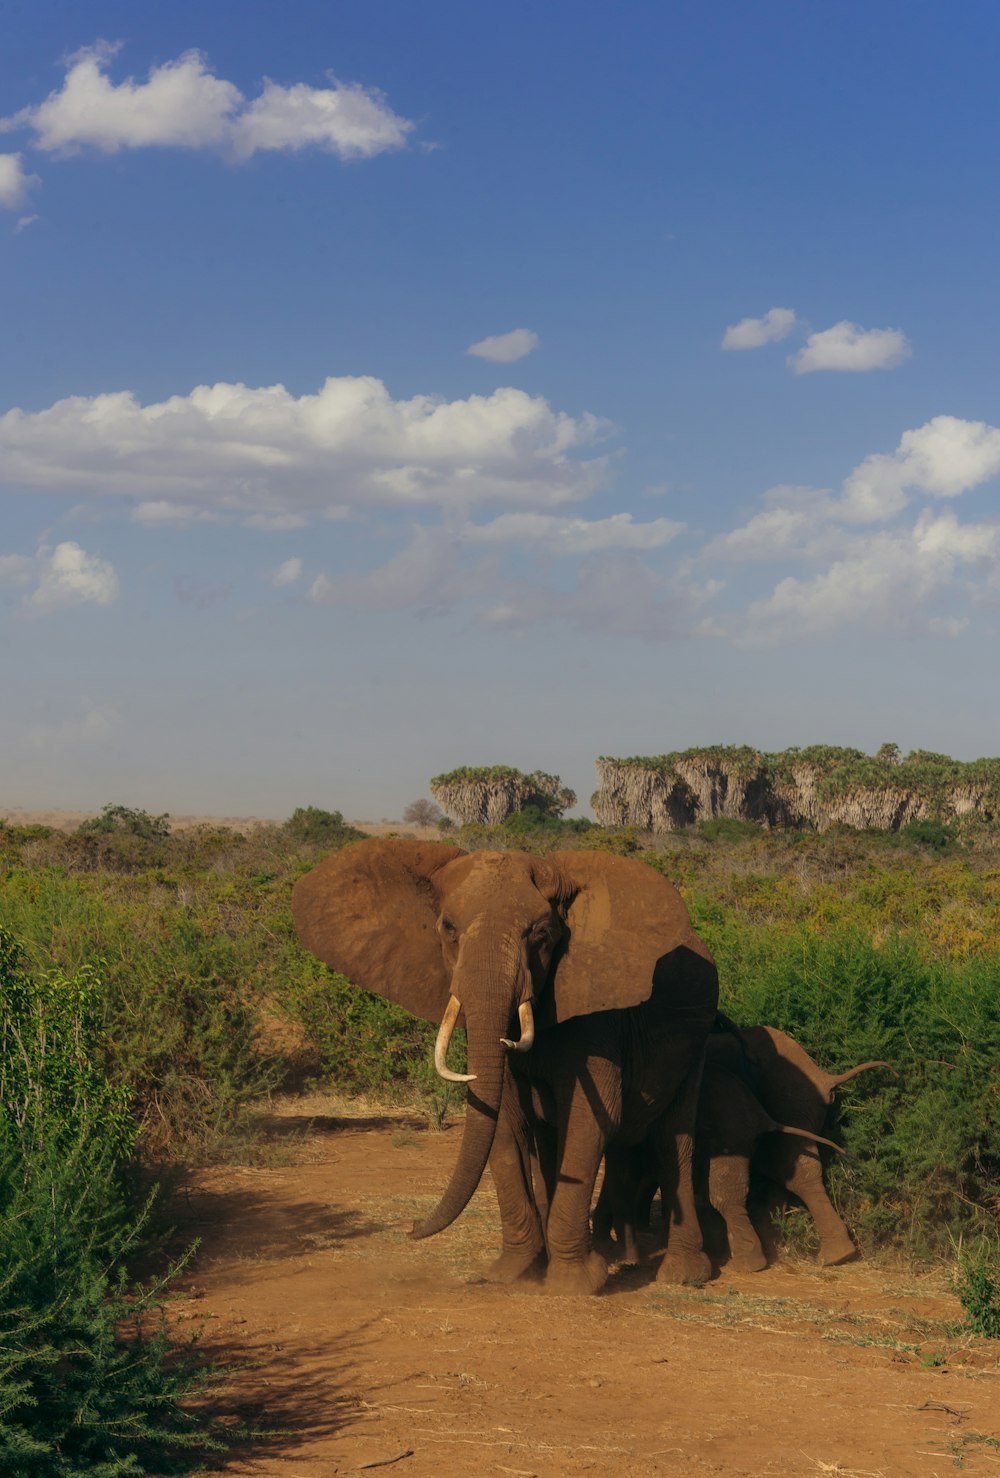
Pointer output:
x,y
763,1099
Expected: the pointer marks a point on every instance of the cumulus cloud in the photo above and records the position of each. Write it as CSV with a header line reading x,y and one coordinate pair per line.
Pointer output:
x,y
848,347
945,457
182,104
68,575
883,582
265,454
15,184
573,536
753,333
505,348
287,573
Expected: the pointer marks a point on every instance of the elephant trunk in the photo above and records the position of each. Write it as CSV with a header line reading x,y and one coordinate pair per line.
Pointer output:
x,y
485,981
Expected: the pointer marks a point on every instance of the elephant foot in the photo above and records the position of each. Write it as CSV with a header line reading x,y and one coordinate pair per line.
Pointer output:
x,y
514,1263
831,1254
588,1276
685,1267
748,1262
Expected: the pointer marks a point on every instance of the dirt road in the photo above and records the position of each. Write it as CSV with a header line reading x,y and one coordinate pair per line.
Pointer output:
x,y
364,1351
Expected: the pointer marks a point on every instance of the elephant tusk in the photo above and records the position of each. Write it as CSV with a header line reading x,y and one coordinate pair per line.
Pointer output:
x,y
445,1030
527,1020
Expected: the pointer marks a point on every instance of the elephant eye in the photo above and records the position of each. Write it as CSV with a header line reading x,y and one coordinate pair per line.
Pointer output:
x,y
447,927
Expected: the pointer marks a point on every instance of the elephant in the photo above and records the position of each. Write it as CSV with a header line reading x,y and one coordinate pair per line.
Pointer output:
x,y
795,1089
750,1075
730,1125
613,994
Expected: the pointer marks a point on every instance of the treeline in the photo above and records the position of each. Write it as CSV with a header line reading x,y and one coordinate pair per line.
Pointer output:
x,y
813,788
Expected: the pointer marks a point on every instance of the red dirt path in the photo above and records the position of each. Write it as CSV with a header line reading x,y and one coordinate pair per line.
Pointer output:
x,y
358,1346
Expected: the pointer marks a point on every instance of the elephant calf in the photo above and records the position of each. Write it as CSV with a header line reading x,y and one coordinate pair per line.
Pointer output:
x,y
774,1124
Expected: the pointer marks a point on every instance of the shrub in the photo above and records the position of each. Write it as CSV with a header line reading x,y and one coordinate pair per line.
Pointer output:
x,y
131,822
976,1285
90,1381
320,828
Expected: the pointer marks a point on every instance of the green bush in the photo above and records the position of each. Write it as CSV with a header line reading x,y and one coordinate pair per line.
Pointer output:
x,y
320,828
90,1380
128,820
976,1285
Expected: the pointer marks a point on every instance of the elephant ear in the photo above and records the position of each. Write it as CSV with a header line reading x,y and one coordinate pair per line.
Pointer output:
x,y
370,911
628,931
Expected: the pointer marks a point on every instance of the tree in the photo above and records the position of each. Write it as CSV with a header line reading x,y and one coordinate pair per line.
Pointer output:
x,y
128,820
323,828
488,794
422,813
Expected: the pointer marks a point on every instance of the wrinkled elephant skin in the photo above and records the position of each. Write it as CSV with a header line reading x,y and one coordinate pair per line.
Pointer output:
x,y
587,999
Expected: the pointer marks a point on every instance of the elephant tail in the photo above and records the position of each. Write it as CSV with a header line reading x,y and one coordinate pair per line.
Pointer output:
x,y
842,1078
808,1134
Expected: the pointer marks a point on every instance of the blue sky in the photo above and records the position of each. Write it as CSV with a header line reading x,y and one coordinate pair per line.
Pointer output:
x,y
392,387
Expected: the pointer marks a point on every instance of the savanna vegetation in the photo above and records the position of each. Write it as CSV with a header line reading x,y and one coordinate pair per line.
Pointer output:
x,y
154,996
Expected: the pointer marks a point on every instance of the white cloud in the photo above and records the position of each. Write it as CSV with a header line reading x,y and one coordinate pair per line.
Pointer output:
x,y
23,222
68,575
945,457
883,582
265,453
753,333
158,513
847,346
573,536
15,184
346,119
183,105
287,573
505,348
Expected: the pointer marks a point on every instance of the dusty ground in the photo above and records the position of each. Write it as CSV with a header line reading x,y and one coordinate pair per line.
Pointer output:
x,y
362,1350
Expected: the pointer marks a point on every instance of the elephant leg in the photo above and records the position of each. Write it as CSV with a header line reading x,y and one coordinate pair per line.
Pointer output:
x,y
620,1188
685,1260
574,1267
511,1167
728,1186
806,1182
603,1216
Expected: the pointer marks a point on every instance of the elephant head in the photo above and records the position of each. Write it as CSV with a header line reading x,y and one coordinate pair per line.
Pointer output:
x,y
511,941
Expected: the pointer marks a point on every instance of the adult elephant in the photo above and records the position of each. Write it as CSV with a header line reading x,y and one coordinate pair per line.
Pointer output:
x,y
594,957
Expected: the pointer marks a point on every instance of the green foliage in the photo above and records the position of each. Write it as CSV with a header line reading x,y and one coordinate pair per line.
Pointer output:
x,y
532,819
128,820
90,1380
933,834
976,1285
728,829
860,945
320,828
